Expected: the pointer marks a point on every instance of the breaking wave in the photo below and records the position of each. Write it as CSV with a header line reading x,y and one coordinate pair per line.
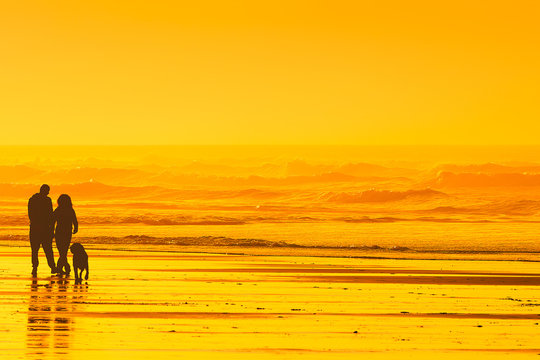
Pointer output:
x,y
512,208
210,241
215,243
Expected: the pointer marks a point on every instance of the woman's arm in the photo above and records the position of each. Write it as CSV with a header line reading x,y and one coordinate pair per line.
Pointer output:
x,y
75,223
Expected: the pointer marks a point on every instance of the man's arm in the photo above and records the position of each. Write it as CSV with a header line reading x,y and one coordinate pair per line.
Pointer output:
x,y
54,220
50,219
30,209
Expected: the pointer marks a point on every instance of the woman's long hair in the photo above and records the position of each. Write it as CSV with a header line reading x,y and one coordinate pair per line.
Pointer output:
x,y
64,202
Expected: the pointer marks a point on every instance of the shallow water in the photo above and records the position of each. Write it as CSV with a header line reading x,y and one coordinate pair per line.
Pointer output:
x,y
454,239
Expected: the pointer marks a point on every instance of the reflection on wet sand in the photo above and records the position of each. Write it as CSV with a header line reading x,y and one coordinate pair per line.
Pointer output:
x,y
152,305
49,326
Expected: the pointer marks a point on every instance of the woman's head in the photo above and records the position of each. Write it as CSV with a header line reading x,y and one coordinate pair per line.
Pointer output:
x,y
64,201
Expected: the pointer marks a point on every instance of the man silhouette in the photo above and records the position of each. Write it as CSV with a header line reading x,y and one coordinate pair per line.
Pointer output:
x,y
40,212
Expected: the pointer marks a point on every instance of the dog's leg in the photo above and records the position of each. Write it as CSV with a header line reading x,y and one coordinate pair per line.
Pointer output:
x,y
87,272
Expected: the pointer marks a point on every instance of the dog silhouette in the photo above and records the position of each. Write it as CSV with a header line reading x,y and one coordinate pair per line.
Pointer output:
x,y
80,261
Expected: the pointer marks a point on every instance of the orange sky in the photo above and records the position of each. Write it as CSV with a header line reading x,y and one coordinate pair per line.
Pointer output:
x,y
269,72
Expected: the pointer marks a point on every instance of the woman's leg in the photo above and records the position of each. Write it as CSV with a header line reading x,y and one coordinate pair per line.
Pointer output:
x,y
68,268
62,244
59,248
66,241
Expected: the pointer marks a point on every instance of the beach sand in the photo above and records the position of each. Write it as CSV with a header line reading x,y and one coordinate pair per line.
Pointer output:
x,y
164,305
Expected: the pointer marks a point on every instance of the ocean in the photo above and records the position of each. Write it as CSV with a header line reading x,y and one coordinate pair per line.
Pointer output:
x,y
463,203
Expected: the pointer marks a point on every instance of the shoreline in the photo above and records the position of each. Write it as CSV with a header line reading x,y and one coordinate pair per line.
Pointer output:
x,y
330,252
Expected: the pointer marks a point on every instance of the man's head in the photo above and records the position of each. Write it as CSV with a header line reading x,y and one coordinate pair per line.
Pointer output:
x,y
44,189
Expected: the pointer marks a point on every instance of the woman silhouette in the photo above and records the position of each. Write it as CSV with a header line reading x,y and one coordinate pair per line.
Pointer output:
x,y
65,221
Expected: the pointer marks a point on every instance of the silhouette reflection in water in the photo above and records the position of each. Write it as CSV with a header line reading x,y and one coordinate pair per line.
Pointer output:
x,y
49,320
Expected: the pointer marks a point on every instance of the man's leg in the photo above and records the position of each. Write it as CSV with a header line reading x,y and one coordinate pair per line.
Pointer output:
x,y
34,244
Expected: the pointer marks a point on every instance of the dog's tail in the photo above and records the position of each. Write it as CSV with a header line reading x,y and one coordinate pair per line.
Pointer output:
x,y
87,271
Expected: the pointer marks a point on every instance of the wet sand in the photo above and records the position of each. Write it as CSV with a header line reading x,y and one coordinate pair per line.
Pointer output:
x,y
158,305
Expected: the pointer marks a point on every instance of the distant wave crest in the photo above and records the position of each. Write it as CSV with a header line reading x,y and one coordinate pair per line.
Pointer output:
x,y
380,195
449,179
